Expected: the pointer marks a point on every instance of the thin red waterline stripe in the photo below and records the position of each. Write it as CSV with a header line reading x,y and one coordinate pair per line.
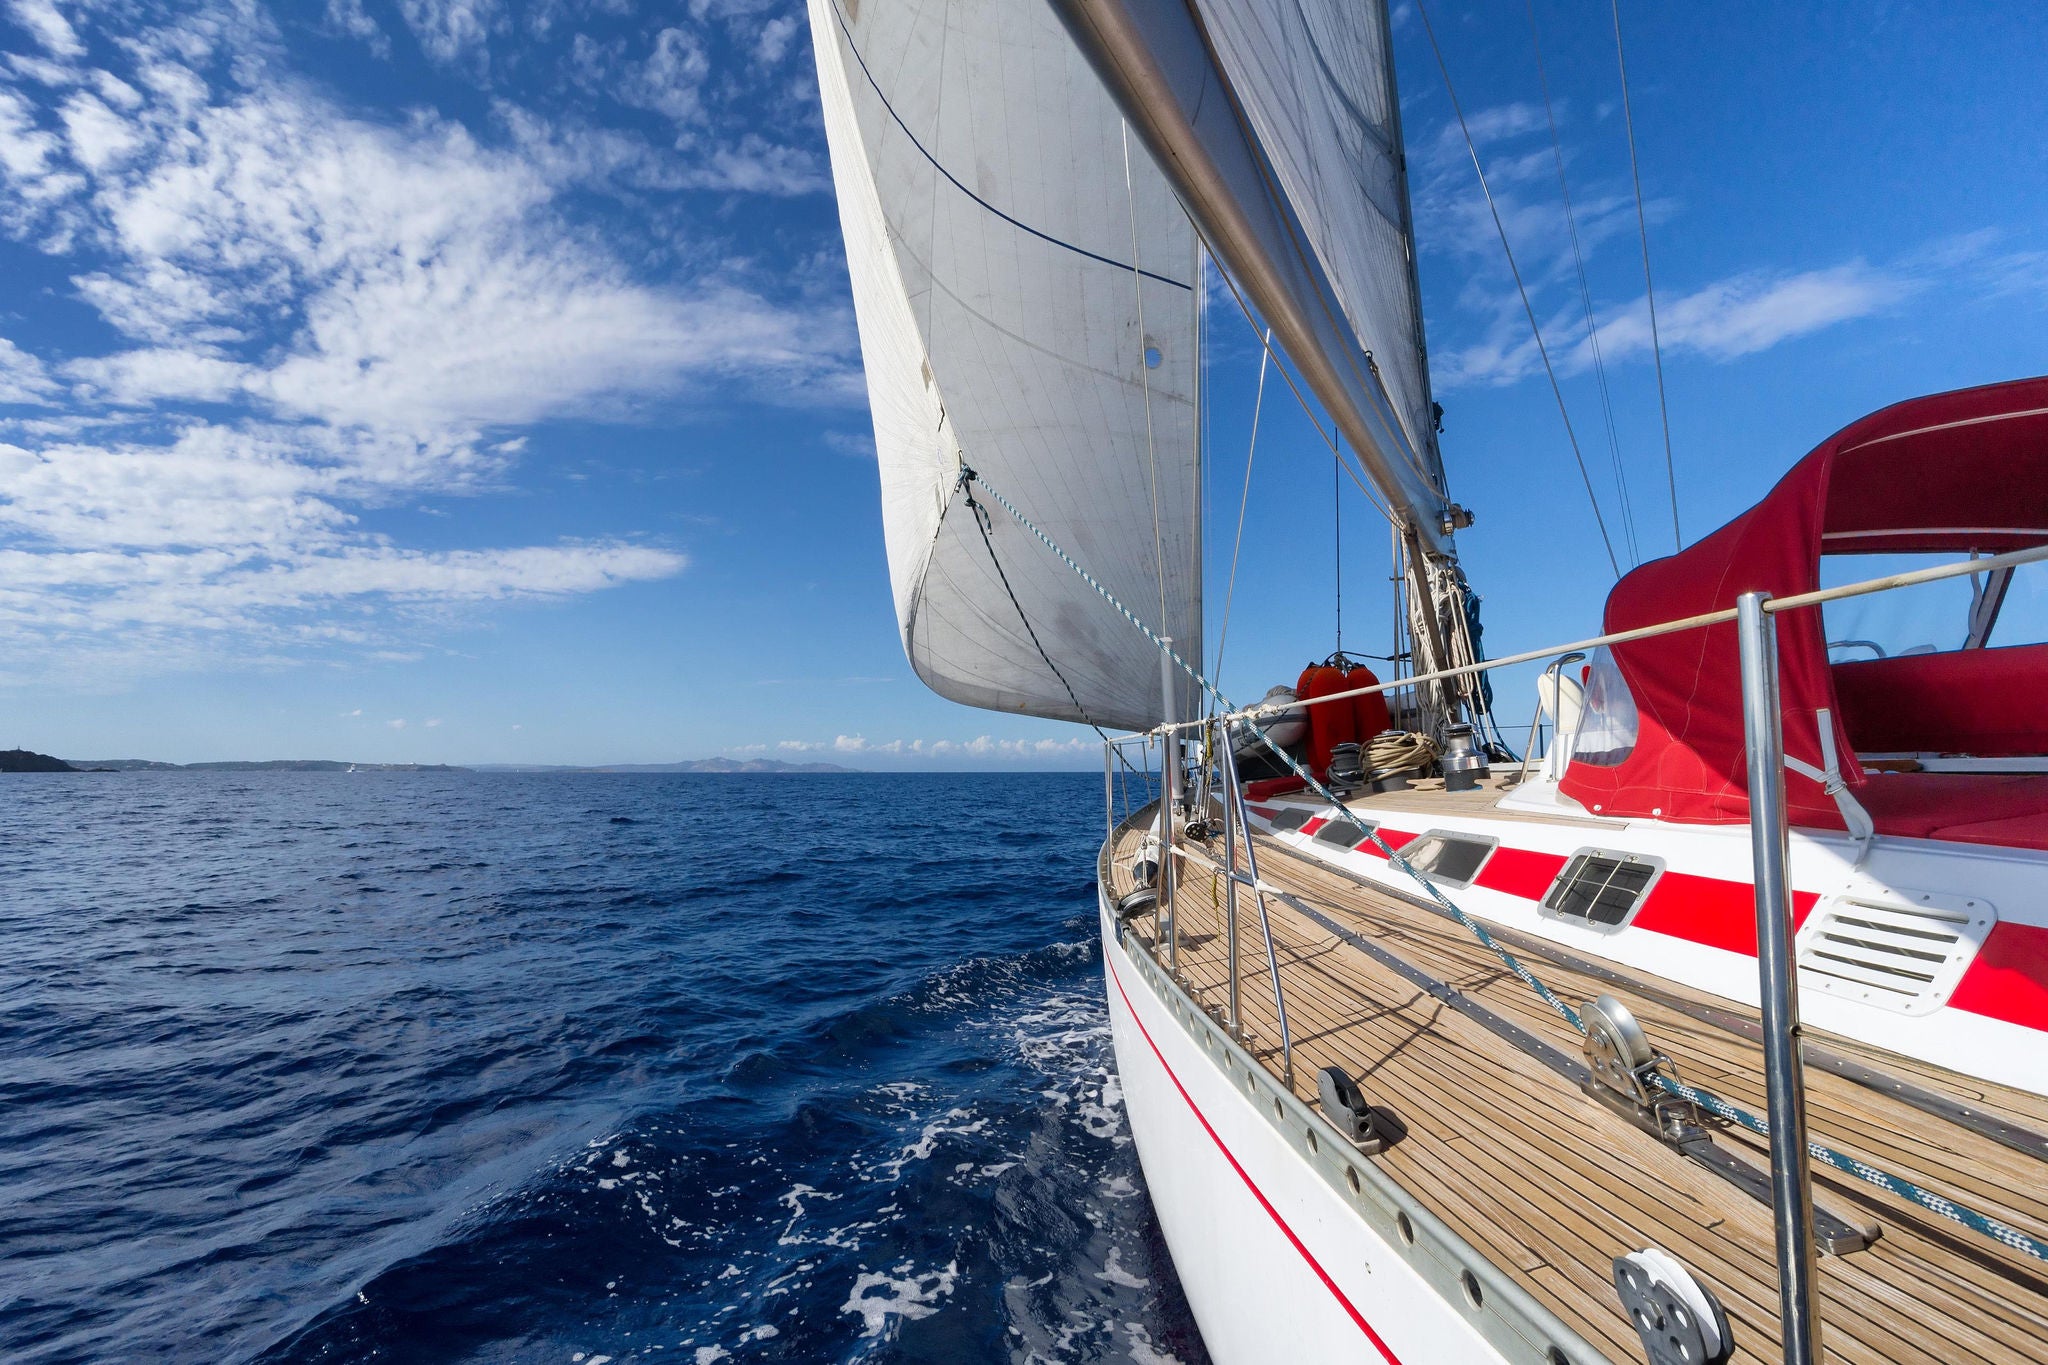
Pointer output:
x,y
1258,1194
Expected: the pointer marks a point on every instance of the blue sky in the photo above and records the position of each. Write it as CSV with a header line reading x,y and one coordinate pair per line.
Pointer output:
x,y
475,380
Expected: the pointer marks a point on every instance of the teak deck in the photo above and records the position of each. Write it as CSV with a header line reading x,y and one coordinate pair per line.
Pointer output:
x,y
1551,1185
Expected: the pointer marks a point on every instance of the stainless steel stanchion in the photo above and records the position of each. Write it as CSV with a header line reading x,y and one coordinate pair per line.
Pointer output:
x,y
1785,1082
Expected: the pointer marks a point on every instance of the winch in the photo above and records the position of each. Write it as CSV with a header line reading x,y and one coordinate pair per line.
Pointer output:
x,y
1464,760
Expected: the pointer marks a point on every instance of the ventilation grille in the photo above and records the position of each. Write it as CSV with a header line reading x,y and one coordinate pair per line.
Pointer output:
x,y
1902,952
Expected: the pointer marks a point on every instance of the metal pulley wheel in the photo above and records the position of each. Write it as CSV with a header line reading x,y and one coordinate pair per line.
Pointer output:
x,y
1616,1047
1678,1318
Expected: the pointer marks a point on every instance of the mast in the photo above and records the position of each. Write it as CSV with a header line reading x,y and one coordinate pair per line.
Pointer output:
x,y
1156,59
1303,197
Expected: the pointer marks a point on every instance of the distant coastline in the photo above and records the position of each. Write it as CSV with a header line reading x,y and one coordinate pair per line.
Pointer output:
x,y
27,761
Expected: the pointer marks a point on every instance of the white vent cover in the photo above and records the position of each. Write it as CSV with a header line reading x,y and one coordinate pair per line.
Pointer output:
x,y
1898,950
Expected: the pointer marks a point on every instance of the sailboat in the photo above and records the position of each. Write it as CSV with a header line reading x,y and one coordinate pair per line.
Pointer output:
x,y
1715,1031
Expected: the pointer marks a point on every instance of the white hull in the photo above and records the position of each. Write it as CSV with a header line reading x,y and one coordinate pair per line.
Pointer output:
x,y
1281,1260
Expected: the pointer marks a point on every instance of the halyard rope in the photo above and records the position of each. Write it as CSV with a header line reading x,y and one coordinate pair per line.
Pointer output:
x,y
1927,1199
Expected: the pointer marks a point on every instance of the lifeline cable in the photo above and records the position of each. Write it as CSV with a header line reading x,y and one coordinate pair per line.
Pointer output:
x,y
1999,1231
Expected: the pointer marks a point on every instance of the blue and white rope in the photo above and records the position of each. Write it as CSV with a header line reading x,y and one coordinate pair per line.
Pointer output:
x,y
2001,1232
1849,1165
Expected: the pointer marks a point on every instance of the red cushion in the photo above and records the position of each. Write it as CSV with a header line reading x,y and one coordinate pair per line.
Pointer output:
x,y
2006,809
1992,703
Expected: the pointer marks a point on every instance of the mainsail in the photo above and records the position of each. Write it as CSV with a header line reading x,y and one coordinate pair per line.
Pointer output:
x,y
1027,291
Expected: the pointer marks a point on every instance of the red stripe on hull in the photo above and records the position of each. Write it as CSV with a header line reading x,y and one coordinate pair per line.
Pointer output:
x,y
1357,1317
1395,839
1520,872
2009,979
1710,911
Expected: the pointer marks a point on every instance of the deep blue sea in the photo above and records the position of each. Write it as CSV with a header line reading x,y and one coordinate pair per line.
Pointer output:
x,y
564,1068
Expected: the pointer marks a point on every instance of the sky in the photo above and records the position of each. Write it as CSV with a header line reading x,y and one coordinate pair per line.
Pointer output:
x,y
475,381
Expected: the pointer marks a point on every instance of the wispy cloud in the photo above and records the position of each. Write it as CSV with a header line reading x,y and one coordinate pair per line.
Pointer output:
x,y
1487,341
1737,316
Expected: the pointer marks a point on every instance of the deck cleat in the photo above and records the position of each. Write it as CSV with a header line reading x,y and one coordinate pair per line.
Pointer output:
x,y
1370,1127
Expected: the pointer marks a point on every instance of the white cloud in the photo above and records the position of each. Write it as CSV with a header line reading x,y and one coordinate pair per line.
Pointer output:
x,y
364,313
432,723
51,28
450,29
1727,319
22,376
1757,310
349,16
1741,314
775,39
396,724
1485,126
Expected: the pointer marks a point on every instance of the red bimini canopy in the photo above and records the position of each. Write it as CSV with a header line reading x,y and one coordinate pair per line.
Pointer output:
x,y
1955,472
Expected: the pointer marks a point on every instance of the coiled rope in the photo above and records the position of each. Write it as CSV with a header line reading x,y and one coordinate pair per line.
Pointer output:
x,y
1398,751
1943,1207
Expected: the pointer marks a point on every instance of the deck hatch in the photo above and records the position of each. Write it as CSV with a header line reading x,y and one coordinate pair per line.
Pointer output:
x,y
1601,889
1344,833
1901,951
1289,817
1450,858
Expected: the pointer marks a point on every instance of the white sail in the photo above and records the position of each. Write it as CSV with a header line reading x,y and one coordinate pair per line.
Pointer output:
x,y
991,235
1314,78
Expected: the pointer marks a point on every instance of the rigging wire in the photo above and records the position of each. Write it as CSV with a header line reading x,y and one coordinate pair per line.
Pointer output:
x,y
1628,120
1244,501
1522,288
1571,218
1301,398
1337,511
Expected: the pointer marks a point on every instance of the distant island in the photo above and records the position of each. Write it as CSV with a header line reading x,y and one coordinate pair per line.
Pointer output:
x,y
697,765
26,761
272,765
22,761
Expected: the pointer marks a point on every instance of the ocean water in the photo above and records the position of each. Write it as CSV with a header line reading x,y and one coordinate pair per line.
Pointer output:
x,y
564,1068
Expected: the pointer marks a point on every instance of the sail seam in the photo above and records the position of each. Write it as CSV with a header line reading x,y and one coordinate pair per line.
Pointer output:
x,y
954,180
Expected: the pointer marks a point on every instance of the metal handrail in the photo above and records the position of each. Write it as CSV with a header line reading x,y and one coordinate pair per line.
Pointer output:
x,y
1251,859
1959,569
1784,1077
1754,615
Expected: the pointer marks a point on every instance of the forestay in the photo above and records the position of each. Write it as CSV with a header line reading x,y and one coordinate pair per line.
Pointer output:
x,y
1010,287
